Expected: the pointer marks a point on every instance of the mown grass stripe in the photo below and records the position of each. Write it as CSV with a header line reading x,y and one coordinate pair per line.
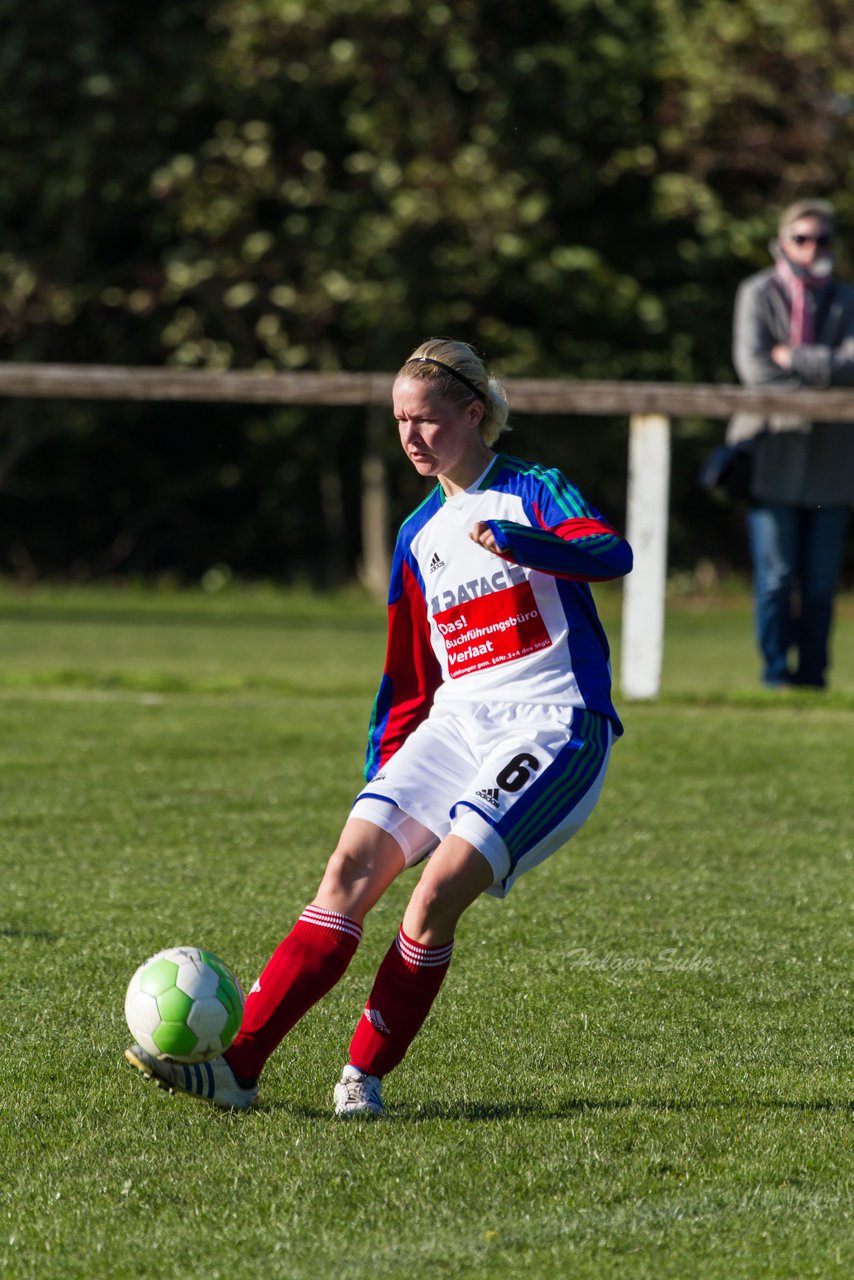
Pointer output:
x,y
707,1113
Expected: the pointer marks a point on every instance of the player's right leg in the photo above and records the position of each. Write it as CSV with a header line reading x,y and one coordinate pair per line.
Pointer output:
x,y
213,1081
318,949
303,968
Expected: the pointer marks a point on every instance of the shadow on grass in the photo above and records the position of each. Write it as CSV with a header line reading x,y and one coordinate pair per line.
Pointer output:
x,y
34,935
488,1112
485,1111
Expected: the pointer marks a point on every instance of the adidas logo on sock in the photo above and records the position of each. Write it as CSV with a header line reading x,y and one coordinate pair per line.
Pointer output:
x,y
490,795
437,562
377,1021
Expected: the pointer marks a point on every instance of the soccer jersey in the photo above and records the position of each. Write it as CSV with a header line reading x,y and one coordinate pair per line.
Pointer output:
x,y
468,626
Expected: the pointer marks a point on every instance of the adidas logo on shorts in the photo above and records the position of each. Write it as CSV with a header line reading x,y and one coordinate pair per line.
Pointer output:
x,y
490,795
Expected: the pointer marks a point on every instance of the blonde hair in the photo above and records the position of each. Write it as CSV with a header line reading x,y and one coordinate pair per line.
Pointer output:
x,y
460,376
813,208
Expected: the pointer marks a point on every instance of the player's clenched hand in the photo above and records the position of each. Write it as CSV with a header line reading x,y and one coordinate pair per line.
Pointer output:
x,y
482,534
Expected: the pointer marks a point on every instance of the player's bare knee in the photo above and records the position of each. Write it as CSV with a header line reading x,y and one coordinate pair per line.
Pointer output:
x,y
347,866
434,905
365,862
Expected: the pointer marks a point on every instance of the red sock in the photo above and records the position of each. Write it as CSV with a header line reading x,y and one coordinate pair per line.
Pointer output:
x,y
405,987
303,968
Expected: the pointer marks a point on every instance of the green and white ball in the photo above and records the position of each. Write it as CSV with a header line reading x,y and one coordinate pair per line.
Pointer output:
x,y
185,1004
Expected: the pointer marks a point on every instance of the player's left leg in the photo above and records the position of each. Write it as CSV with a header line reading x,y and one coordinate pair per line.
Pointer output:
x,y
409,978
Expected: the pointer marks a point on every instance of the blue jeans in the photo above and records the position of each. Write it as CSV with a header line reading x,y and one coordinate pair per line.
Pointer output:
x,y
797,559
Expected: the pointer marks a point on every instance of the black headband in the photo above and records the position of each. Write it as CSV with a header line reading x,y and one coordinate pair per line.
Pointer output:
x,y
449,368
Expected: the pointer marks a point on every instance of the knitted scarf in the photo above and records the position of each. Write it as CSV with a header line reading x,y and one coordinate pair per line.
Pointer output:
x,y
797,281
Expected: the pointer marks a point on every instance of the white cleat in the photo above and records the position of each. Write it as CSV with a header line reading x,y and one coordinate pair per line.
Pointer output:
x,y
212,1081
357,1094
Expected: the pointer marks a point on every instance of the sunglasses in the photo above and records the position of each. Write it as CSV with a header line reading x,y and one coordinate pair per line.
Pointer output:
x,y
822,241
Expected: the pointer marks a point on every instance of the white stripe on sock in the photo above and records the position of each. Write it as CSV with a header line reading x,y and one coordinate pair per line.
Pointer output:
x,y
423,957
332,920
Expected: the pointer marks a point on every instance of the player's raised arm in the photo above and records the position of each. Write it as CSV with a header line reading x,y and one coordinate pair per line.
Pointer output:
x,y
582,548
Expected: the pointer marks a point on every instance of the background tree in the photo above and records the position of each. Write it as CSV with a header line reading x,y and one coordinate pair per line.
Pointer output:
x,y
577,187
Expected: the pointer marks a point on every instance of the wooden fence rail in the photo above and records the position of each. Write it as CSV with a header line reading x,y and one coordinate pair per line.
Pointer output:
x,y
650,407
528,395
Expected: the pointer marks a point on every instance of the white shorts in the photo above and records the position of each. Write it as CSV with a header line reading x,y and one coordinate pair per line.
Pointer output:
x,y
516,781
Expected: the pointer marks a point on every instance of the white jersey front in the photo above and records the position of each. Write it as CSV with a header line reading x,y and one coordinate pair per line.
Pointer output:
x,y
498,630
467,626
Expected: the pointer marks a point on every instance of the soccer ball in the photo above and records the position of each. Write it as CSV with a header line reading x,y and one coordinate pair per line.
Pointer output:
x,y
185,1004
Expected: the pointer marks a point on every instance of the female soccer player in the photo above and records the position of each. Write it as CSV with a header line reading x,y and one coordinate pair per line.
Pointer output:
x,y
489,739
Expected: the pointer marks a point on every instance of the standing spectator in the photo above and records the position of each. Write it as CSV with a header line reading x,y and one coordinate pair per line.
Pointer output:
x,y
794,327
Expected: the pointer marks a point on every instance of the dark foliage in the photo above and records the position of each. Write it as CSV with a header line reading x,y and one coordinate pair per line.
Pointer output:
x,y
577,187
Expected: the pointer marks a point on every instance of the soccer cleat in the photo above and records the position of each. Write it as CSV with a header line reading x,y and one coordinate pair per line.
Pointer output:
x,y
212,1081
357,1094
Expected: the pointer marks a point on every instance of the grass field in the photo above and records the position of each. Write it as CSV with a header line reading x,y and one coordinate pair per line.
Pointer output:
x,y
641,1062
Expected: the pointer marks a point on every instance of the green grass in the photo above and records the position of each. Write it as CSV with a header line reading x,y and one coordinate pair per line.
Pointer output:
x,y
640,1065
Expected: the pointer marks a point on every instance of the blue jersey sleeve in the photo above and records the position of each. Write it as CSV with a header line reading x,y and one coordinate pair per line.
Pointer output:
x,y
583,550
566,537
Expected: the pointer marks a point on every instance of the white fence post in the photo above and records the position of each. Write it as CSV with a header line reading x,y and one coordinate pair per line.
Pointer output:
x,y
646,530
375,566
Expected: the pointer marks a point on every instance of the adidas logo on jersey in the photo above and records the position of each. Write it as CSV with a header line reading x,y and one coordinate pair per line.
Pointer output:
x,y
437,562
490,795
